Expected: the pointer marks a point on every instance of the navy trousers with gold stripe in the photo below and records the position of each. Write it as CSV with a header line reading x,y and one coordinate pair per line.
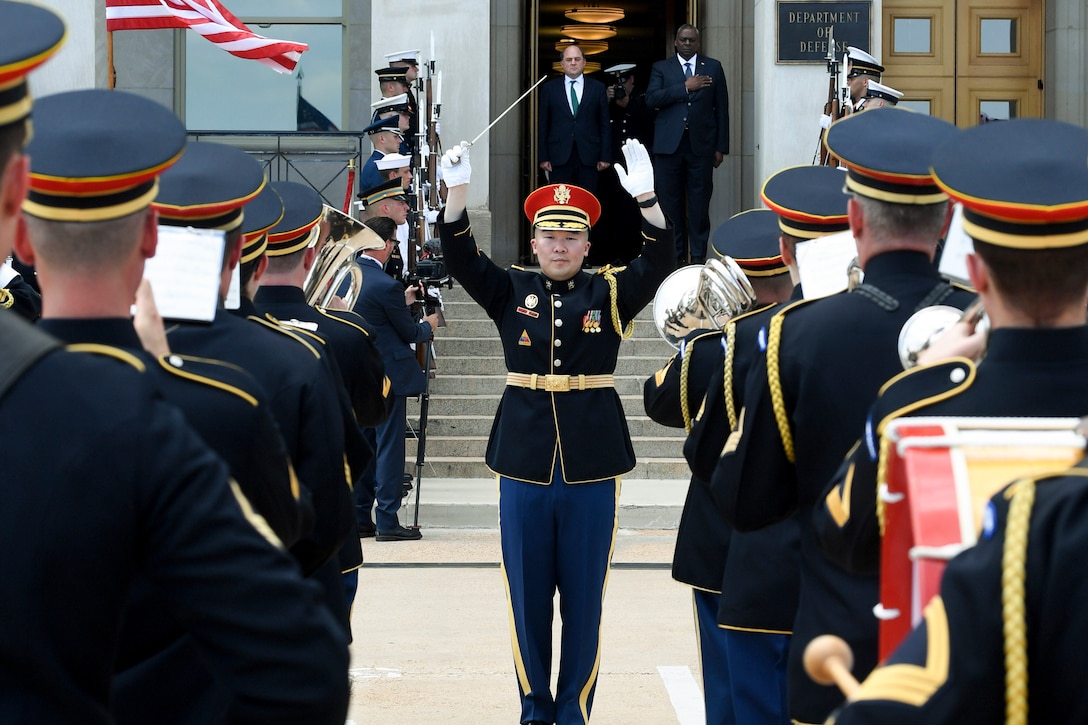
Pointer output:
x,y
556,538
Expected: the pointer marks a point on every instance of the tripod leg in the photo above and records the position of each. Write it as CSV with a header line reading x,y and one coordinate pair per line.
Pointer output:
x,y
421,433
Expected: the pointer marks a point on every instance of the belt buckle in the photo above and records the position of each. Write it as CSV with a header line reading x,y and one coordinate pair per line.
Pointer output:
x,y
557,383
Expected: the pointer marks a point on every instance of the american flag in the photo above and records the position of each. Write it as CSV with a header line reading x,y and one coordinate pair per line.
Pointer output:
x,y
210,19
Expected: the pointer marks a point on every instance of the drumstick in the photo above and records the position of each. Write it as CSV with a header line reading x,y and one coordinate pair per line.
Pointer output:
x,y
828,661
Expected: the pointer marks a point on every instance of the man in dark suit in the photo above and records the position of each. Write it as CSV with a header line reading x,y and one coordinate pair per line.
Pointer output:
x,y
575,140
383,302
691,136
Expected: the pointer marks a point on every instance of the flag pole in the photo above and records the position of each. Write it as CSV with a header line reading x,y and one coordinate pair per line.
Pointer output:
x,y
111,73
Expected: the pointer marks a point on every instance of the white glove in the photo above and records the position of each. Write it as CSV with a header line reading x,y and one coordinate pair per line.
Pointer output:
x,y
456,169
825,121
638,178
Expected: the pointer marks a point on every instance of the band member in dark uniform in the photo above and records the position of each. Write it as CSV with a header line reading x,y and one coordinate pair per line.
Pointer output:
x,y
1006,631
210,187
759,586
672,396
104,484
824,362
560,441
1033,282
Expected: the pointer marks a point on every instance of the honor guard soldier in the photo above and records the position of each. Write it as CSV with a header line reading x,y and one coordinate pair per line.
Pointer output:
x,y
823,365
560,440
394,83
91,248
878,95
1031,273
209,188
132,493
386,137
407,60
399,166
671,397
759,586
861,70
383,302
389,199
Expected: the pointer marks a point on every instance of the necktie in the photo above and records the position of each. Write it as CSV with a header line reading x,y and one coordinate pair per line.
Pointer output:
x,y
573,100
687,70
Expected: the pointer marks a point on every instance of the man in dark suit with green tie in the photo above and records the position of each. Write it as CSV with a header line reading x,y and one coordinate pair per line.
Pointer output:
x,y
575,140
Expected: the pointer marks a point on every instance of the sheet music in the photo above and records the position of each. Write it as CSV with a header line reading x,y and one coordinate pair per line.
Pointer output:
x,y
957,245
823,263
184,273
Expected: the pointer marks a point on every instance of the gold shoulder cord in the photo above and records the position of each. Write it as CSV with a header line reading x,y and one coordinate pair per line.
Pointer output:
x,y
7,299
685,367
727,386
610,275
775,384
1013,602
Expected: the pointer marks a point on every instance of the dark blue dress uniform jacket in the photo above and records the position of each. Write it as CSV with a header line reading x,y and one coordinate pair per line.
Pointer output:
x,y
549,327
304,401
951,669
105,482
1026,372
760,578
832,358
215,400
381,303
703,537
351,342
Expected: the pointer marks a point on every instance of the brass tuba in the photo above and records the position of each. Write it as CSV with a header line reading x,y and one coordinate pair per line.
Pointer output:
x,y
701,297
336,260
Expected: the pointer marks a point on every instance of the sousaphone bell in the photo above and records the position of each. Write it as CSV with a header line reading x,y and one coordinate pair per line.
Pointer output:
x,y
701,296
336,263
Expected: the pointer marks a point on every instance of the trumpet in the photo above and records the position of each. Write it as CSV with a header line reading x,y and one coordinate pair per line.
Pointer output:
x,y
702,296
923,328
336,263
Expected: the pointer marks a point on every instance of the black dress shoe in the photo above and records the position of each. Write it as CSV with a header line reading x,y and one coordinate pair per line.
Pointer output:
x,y
365,531
401,533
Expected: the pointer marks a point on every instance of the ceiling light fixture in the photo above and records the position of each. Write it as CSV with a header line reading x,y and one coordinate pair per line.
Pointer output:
x,y
589,47
589,31
595,14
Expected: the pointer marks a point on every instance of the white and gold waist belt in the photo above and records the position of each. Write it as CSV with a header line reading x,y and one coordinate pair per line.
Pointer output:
x,y
559,383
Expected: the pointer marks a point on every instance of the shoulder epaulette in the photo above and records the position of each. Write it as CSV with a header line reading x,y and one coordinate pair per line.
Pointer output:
x,y
201,371
288,333
518,267
335,315
920,387
685,366
109,351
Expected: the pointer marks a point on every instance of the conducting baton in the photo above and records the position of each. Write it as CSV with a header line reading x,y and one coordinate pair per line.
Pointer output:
x,y
508,109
